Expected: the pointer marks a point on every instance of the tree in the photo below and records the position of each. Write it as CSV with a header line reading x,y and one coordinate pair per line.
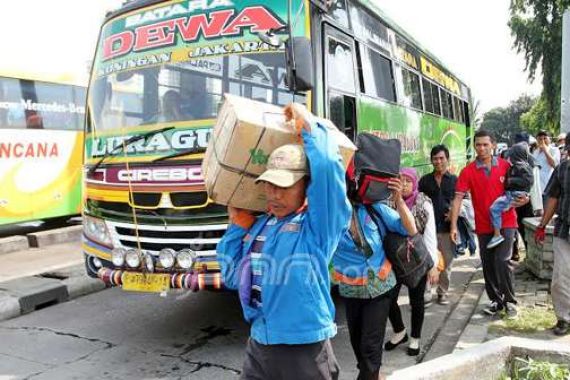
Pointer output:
x,y
535,119
505,122
536,26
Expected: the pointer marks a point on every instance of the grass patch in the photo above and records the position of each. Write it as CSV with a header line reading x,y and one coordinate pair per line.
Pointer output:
x,y
529,369
528,320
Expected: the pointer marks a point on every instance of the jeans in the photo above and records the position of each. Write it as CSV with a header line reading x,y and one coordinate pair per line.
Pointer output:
x,y
502,204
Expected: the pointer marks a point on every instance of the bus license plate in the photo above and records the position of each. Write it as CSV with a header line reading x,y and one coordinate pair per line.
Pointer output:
x,y
153,283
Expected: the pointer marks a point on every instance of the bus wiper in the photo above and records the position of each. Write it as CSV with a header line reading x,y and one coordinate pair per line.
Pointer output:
x,y
174,155
126,143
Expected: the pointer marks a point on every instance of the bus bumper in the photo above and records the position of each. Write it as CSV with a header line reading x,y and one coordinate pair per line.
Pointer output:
x,y
191,281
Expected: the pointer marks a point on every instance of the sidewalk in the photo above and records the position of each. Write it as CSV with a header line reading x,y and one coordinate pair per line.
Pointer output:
x,y
34,278
34,261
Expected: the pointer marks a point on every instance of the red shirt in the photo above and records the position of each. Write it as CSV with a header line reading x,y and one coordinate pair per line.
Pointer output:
x,y
485,188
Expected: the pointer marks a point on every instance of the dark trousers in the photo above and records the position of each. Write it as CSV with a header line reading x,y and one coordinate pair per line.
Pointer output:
x,y
497,268
289,361
366,320
417,305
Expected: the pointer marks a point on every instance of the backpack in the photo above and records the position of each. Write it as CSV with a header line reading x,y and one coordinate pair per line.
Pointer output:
x,y
408,255
375,162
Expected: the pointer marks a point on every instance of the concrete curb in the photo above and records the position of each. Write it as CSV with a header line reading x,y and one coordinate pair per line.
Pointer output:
x,y
13,244
485,361
27,294
57,236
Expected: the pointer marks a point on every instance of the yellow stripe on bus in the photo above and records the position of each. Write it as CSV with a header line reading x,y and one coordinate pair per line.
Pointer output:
x,y
108,195
96,252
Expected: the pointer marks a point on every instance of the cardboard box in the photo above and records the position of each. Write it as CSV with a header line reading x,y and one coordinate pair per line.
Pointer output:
x,y
245,134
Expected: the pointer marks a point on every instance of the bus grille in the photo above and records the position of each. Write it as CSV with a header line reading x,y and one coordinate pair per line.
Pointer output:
x,y
153,238
186,199
146,199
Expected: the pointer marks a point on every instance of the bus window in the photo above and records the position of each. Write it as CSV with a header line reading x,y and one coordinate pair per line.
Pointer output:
x,y
446,104
431,97
428,101
410,90
341,81
458,113
436,99
12,111
343,113
338,11
340,66
40,105
57,107
378,75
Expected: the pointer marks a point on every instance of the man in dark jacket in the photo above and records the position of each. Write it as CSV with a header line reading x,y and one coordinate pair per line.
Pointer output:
x,y
439,186
558,193
519,180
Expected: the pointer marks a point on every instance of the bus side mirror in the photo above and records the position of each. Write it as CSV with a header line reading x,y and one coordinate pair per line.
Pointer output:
x,y
299,61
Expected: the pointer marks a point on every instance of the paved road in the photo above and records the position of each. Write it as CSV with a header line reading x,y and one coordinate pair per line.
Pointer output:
x,y
119,335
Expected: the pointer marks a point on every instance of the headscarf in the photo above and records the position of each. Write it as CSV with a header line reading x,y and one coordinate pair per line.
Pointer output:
x,y
413,176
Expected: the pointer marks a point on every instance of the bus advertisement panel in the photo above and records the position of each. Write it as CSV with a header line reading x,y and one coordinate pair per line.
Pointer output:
x,y
41,146
159,75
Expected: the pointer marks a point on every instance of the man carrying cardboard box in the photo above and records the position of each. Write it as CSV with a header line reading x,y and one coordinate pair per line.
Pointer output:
x,y
279,261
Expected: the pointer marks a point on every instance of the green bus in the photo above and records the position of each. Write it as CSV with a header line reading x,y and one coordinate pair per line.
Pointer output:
x,y
159,75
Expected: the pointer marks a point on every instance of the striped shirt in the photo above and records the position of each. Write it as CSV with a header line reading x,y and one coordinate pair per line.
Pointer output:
x,y
257,263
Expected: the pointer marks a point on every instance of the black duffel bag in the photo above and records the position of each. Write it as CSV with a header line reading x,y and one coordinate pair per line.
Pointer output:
x,y
409,256
375,162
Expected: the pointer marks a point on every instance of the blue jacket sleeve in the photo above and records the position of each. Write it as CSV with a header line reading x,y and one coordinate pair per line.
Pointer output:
x,y
230,254
329,210
390,218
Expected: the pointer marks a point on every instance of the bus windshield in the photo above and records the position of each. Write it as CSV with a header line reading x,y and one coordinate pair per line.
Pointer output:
x,y
185,91
172,62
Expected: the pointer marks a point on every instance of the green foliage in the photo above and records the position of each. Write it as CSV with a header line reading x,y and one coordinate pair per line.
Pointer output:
x,y
536,119
528,320
529,369
505,122
536,26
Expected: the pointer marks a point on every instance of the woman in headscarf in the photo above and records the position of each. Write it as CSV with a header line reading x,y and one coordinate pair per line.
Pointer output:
x,y
365,277
422,210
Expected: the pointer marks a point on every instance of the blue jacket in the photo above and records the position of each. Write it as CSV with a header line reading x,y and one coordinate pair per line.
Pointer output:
x,y
350,266
297,307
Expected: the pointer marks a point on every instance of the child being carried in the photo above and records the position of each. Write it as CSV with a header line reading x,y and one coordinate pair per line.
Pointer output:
x,y
518,183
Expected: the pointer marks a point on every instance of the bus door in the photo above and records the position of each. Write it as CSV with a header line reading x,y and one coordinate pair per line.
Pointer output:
x,y
340,73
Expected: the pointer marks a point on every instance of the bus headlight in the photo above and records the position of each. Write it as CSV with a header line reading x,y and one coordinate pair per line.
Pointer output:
x,y
96,230
149,262
166,258
133,258
186,258
118,257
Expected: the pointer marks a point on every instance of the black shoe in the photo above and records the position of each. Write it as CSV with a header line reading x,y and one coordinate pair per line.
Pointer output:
x,y
442,299
413,351
389,346
493,309
562,328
